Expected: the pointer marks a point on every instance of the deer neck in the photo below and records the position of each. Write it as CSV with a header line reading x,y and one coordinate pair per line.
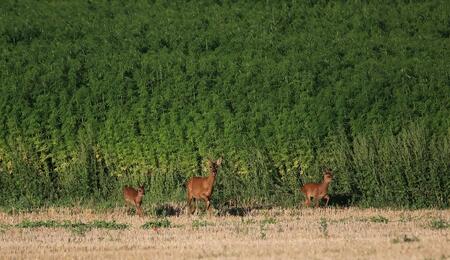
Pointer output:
x,y
211,178
324,184
139,198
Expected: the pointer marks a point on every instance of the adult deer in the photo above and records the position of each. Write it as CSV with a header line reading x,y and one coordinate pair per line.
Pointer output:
x,y
202,187
318,190
134,197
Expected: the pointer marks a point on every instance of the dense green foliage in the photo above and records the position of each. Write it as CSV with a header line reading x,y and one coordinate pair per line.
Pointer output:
x,y
98,94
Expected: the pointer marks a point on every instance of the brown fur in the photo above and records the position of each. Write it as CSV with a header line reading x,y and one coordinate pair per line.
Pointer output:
x,y
318,190
202,187
134,197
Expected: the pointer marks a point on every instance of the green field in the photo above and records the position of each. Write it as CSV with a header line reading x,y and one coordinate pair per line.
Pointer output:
x,y
95,95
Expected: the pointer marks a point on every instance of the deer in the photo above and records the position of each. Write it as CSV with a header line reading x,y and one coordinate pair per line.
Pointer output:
x,y
202,187
134,197
318,190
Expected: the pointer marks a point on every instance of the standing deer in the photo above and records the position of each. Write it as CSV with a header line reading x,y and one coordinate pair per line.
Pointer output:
x,y
134,197
202,187
318,190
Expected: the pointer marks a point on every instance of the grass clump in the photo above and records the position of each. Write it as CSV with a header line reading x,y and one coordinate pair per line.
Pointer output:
x,y
198,223
78,228
379,219
108,225
159,223
439,224
4,227
36,224
269,220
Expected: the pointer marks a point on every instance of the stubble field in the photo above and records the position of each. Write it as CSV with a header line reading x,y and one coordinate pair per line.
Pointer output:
x,y
331,233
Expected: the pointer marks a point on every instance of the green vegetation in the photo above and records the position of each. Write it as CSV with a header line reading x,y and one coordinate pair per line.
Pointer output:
x,y
439,224
198,223
4,227
160,223
268,220
379,219
78,228
40,223
95,95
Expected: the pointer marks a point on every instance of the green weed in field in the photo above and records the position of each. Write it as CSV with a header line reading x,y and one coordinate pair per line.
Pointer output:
x,y
159,223
78,228
201,223
439,224
269,220
108,225
379,219
4,227
36,224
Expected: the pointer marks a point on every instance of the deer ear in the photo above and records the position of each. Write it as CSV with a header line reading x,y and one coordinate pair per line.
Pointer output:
x,y
219,161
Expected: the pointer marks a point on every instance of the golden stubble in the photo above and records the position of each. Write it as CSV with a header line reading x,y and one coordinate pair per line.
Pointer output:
x,y
330,233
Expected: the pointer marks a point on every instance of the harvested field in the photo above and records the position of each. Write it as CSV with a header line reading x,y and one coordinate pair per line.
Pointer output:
x,y
263,234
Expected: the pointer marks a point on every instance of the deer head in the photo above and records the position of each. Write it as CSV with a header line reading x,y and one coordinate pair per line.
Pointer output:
x,y
141,190
327,175
213,166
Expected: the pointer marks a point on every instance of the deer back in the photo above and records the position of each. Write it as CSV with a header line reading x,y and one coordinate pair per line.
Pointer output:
x,y
198,186
319,188
133,196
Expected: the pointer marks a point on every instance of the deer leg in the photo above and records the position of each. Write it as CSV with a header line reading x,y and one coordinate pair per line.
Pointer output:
x,y
193,209
189,204
307,201
208,207
139,211
129,208
327,198
207,204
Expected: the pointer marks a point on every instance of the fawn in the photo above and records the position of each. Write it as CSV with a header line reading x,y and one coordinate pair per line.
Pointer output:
x,y
134,197
202,187
318,190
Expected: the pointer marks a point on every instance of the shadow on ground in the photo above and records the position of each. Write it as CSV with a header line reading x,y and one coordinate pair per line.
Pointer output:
x,y
235,211
342,200
167,210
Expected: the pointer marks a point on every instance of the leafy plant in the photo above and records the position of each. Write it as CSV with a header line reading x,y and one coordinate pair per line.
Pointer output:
x,y
197,223
84,112
439,224
4,227
78,228
379,219
160,223
269,220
